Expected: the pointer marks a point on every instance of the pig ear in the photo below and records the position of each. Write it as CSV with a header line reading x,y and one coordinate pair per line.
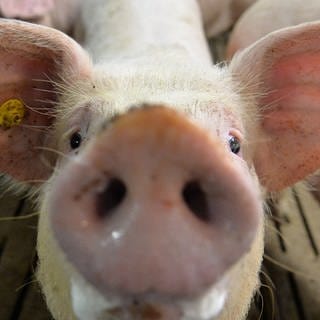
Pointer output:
x,y
281,73
33,60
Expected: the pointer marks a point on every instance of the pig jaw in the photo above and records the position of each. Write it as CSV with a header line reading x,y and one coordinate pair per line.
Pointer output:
x,y
56,271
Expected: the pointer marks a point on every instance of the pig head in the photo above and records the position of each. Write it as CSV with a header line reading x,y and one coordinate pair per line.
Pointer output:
x,y
151,174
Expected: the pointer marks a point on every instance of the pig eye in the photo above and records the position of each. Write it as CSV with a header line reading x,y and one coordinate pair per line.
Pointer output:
x,y
234,144
75,140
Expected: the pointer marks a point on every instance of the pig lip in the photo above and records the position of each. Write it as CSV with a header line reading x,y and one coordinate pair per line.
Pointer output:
x,y
203,307
140,311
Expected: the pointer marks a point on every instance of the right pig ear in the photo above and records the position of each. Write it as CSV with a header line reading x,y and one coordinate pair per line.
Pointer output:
x,y
280,74
33,61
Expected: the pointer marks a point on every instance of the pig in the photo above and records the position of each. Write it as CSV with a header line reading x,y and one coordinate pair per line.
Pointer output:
x,y
151,164
217,15
59,14
266,16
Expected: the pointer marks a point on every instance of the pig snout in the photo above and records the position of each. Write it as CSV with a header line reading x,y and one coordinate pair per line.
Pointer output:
x,y
154,205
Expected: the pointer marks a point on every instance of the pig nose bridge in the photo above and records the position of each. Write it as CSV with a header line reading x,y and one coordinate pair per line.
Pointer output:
x,y
153,155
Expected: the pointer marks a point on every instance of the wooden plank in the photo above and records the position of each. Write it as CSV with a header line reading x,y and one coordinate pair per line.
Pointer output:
x,y
16,261
34,306
20,297
300,288
309,282
280,277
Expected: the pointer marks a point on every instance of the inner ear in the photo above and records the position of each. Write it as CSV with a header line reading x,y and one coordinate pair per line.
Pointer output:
x,y
281,72
30,81
33,62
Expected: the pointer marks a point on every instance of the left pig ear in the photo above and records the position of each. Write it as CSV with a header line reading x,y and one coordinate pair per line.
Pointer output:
x,y
33,61
281,73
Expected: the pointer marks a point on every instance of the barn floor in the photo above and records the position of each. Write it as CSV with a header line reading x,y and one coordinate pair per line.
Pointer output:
x,y
20,297
290,278
291,275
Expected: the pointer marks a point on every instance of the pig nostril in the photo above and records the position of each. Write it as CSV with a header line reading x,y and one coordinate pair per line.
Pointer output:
x,y
111,197
196,200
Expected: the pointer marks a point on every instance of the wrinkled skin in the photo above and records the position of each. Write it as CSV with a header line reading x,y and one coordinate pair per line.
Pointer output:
x,y
156,211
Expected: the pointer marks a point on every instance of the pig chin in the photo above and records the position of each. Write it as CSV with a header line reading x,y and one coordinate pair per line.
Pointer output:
x,y
88,303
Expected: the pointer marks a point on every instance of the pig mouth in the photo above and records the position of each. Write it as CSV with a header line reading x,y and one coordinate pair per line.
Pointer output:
x,y
90,304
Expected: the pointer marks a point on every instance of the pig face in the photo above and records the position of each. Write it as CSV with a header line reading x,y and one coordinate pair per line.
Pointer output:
x,y
154,208
155,164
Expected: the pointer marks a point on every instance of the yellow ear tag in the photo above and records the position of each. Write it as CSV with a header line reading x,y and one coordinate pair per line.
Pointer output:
x,y
12,112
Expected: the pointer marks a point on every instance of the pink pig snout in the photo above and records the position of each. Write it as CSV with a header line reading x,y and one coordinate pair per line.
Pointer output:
x,y
154,205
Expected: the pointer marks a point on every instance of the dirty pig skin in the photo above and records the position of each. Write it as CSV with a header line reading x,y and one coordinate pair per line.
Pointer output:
x,y
150,162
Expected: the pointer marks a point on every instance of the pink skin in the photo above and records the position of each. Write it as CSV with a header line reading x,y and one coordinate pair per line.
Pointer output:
x,y
266,16
26,9
283,149
26,79
59,14
64,15
291,81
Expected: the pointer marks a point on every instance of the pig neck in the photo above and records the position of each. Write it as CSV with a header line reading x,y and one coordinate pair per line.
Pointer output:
x,y
132,29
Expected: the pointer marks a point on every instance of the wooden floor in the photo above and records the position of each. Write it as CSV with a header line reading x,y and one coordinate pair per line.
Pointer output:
x,y
20,297
291,275
292,254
